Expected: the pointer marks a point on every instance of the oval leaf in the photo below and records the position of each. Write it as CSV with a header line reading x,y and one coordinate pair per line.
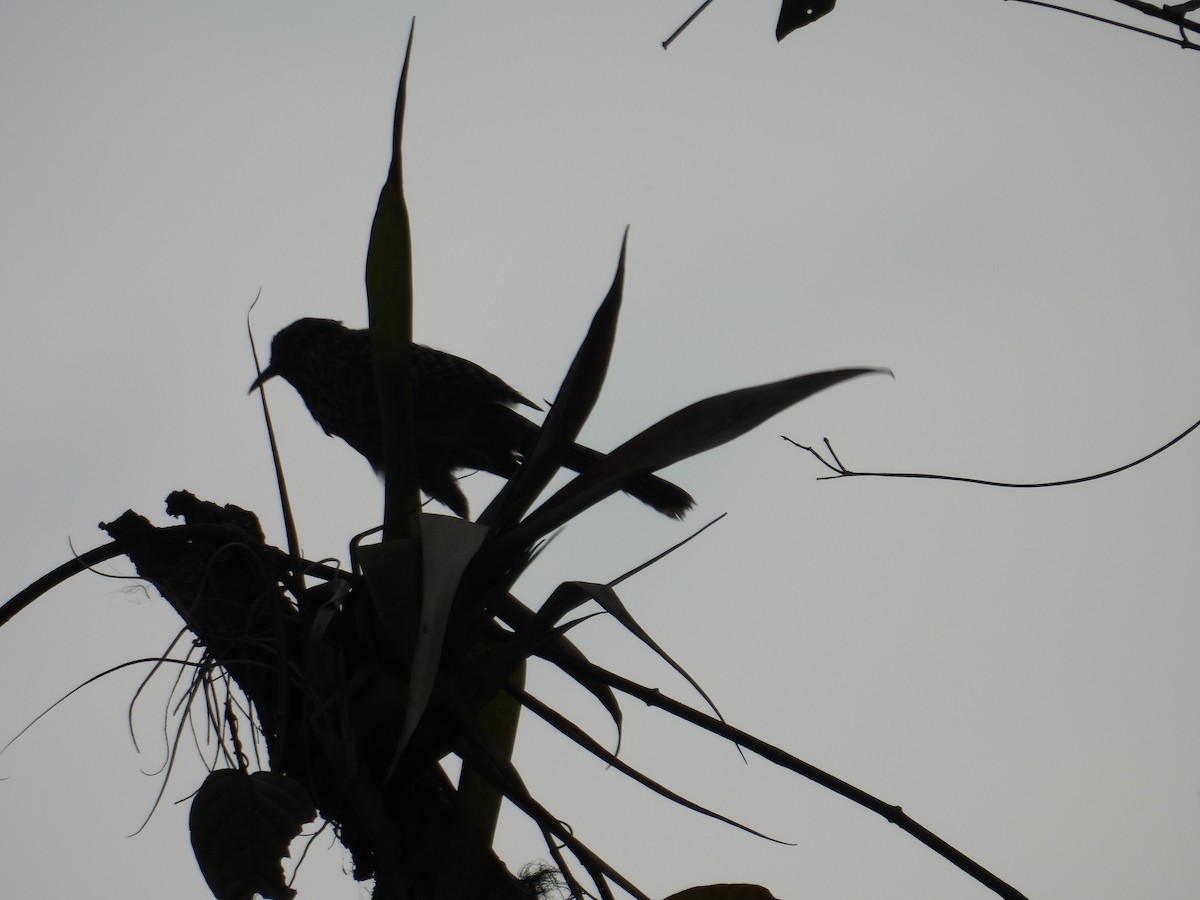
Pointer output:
x,y
725,892
241,827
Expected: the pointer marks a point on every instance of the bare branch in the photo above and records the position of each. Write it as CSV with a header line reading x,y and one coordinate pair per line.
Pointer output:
x,y
839,469
678,31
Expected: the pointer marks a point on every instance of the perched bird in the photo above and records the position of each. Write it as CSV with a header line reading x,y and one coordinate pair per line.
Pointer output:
x,y
463,414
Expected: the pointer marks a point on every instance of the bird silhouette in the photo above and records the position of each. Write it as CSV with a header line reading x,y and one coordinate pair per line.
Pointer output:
x,y
464,417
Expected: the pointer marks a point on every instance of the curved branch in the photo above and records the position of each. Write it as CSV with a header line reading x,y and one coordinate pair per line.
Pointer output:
x,y
1181,42
91,558
840,471
55,577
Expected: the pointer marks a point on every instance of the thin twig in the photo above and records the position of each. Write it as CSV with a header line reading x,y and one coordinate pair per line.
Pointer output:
x,y
840,471
678,31
289,520
667,552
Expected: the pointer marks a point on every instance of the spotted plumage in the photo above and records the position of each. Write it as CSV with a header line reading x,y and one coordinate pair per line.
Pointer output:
x,y
464,416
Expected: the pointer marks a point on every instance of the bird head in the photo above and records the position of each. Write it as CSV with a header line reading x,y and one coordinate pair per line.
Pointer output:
x,y
286,346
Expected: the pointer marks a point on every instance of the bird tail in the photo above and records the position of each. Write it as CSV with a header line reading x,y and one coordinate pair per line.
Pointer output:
x,y
658,493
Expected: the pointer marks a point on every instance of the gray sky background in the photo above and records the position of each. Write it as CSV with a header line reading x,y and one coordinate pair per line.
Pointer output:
x,y
996,201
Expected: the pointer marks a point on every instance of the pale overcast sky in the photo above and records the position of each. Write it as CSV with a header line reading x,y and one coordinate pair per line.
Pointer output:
x,y
996,201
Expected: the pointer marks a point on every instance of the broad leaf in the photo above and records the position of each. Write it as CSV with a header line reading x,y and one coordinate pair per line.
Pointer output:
x,y
448,544
725,892
241,827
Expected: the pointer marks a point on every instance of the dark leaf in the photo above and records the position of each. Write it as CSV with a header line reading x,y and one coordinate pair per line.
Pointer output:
x,y
688,432
569,729
795,14
609,601
389,304
576,398
241,827
520,618
477,804
447,545
481,754
725,892
531,632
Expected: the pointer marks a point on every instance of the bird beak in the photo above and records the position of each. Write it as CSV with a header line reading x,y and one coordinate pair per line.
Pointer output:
x,y
268,373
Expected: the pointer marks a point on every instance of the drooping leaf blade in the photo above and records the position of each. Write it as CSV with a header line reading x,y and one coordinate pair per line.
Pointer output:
x,y
891,812
521,619
569,729
604,595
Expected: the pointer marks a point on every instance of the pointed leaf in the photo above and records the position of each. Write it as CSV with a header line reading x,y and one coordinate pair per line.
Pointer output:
x,y
611,603
692,430
389,305
570,410
241,827
519,618
536,629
